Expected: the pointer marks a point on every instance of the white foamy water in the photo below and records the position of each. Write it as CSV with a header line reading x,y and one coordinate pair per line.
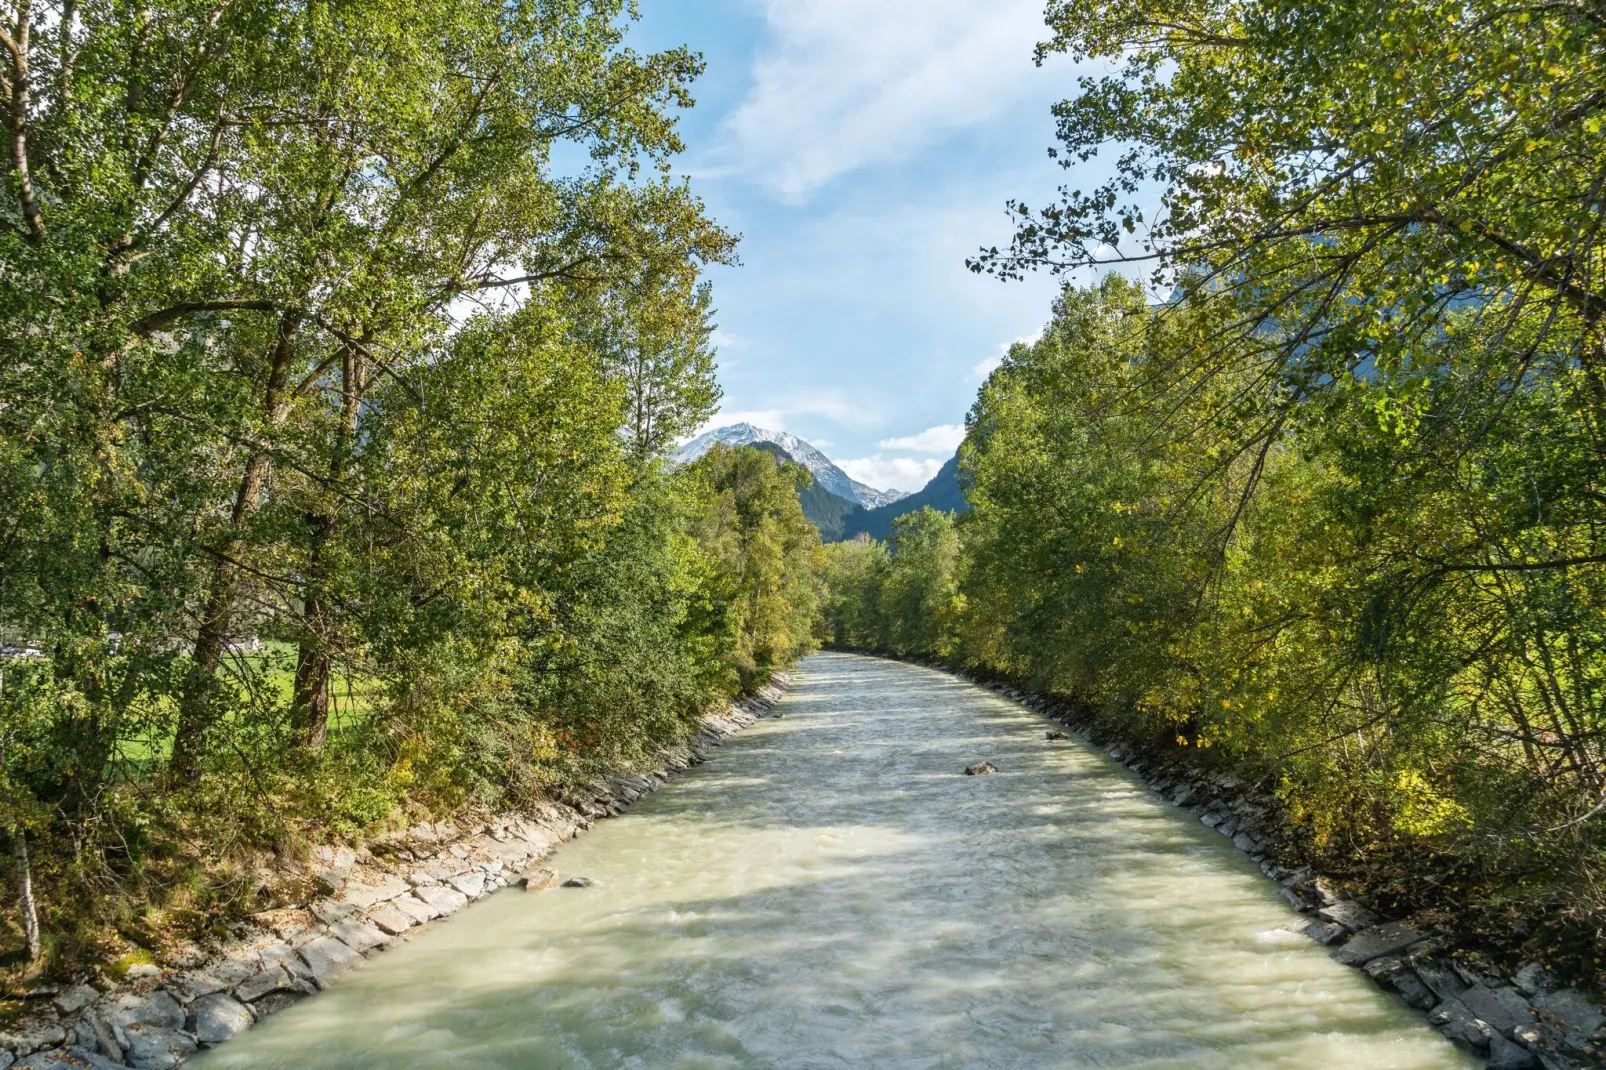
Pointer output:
x,y
830,891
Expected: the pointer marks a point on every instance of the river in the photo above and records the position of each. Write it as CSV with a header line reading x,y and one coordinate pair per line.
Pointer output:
x,y
830,891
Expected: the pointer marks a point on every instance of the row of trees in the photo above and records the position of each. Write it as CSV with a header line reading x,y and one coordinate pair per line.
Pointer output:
x,y
359,329
1330,508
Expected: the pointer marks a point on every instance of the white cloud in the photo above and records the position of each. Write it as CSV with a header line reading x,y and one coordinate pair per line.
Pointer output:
x,y
943,439
904,473
988,366
838,84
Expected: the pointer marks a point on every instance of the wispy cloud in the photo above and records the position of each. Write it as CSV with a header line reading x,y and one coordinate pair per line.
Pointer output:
x,y
943,439
839,84
990,365
904,473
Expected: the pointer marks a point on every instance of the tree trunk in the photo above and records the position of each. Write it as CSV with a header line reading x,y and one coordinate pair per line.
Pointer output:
x,y
196,706
309,710
25,901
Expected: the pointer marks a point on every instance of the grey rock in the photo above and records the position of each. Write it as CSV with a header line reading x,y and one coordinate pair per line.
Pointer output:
x,y
441,900
1445,982
1504,1055
1229,827
284,956
67,1059
143,971
470,884
1055,734
1552,1060
330,911
579,882
217,1018
328,959
980,768
1349,914
96,1034
1212,818
391,920
1577,1017
1325,932
75,999
373,891
1295,899
273,1004
1386,939
1183,796
269,980
538,879
220,976
356,934
417,911
32,1034
151,1047
6,1058
159,1009
1245,843
1532,979
1412,990
1537,1037
1454,1020
1503,1008
327,881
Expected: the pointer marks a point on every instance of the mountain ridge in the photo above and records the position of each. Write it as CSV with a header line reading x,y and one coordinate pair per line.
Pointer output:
x,y
826,473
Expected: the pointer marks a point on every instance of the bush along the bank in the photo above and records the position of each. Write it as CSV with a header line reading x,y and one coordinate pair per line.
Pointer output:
x,y
332,436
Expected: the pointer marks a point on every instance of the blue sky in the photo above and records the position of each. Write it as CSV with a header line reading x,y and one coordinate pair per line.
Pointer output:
x,y
863,149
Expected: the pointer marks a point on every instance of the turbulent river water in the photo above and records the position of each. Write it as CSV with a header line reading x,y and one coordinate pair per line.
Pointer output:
x,y
830,891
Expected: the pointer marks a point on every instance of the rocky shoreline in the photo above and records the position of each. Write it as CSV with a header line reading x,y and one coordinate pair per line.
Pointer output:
x,y
1520,1021
360,903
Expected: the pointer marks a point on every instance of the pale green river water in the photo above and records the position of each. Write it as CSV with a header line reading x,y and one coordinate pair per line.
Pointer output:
x,y
830,891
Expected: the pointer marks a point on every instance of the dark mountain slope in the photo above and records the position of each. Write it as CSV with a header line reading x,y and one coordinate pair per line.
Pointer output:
x,y
943,492
829,512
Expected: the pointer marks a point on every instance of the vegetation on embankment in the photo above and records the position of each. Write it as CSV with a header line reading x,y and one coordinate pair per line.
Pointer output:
x,y
1330,514
305,342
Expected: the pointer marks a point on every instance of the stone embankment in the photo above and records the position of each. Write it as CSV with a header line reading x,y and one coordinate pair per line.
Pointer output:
x,y
365,902
1520,1021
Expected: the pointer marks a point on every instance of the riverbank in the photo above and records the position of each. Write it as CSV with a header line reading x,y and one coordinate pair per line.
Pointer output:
x,y
348,905
1516,1019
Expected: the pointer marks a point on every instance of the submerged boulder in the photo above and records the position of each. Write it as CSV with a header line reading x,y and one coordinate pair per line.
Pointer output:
x,y
980,768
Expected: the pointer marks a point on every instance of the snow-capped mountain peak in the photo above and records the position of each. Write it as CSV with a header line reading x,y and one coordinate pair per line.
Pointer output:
x,y
826,474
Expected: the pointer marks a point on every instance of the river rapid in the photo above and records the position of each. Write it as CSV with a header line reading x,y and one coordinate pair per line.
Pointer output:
x,y
830,891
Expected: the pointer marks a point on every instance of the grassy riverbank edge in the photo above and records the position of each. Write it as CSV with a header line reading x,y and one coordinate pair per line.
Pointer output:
x,y
352,905
1515,1016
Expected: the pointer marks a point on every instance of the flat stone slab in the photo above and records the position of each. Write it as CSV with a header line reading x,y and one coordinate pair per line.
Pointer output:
x,y
1349,914
217,1018
328,959
470,884
374,892
151,1047
357,935
440,899
1503,1008
391,920
1387,939
75,999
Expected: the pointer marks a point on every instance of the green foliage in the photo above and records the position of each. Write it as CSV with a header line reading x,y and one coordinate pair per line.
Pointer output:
x,y
303,338
1392,616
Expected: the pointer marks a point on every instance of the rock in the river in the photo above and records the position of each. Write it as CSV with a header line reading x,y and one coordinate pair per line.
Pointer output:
x,y
150,1047
1325,932
1387,939
278,1001
538,879
1053,734
470,884
980,768
217,1018
579,882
